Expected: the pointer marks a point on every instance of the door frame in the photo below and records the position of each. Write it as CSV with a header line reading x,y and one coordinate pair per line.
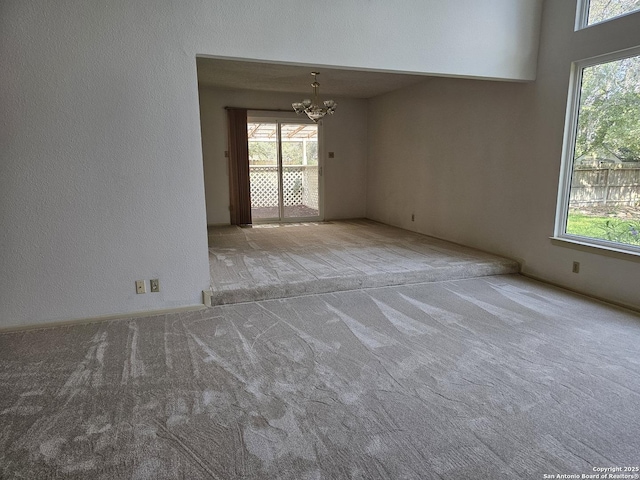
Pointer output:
x,y
257,116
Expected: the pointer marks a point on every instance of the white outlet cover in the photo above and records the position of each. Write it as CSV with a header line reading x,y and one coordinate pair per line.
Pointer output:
x,y
140,286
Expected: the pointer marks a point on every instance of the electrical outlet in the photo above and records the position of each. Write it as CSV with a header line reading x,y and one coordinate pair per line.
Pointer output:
x,y
413,217
155,285
332,155
140,286
576,267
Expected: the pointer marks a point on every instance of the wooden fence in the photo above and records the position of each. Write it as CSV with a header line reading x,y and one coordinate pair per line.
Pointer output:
x,y
605,186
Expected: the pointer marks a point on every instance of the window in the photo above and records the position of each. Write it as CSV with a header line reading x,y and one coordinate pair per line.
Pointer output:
x,y
597,11
599,200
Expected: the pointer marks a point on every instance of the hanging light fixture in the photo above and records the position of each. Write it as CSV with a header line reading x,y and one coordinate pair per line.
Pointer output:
x,y
312,107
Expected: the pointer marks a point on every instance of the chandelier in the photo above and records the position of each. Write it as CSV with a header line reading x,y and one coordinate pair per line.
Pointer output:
x,y
312,107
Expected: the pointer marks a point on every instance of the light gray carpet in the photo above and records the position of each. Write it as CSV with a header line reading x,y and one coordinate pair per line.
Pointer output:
x,y
487,378
275,261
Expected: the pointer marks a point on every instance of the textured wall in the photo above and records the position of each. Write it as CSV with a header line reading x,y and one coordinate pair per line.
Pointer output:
x,y
491,38
101,173
484,159
448,150
345,135
101,177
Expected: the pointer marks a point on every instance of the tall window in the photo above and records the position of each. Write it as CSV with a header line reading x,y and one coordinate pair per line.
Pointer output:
x,y
596,11
600,195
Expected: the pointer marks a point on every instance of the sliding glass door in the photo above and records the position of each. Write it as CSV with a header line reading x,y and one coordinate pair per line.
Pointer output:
x,y
264,171
284,170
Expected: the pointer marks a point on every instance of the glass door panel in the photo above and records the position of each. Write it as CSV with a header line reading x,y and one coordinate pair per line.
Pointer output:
x,y
300,170
264,171
283,170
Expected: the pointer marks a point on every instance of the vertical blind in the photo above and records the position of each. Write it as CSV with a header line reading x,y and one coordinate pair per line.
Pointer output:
x,y
239,184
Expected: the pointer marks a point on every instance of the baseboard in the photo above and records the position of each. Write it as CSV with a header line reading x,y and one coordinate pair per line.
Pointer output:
x,y
622,305
207,295
442,239
103,318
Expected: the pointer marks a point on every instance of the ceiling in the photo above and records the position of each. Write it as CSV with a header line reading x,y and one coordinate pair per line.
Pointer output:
x,y
278,77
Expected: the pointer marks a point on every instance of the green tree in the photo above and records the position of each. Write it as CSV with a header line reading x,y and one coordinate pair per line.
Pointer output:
x,y
609,113
262,152
601,10
265,153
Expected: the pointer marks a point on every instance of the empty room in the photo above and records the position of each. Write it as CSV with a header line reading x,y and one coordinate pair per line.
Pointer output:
x,y
307,240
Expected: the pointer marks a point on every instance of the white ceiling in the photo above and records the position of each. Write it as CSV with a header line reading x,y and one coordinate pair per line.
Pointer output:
x,y
273,77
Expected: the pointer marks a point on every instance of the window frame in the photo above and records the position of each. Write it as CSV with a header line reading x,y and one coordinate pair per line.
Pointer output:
x,y
582,15
568,153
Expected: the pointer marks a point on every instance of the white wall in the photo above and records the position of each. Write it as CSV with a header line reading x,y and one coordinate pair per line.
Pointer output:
x,y
101,171
478,162
344,134
448,150
488,38
600,275
101,177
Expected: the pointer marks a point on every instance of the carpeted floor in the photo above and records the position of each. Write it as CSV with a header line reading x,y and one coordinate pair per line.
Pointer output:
x,y
487,378
284,260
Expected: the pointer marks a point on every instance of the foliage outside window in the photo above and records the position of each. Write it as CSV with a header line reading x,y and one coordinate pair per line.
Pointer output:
x,y
264,153
603,201
603,10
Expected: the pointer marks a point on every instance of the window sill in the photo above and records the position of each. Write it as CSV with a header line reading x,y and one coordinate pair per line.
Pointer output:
x,y
606,250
